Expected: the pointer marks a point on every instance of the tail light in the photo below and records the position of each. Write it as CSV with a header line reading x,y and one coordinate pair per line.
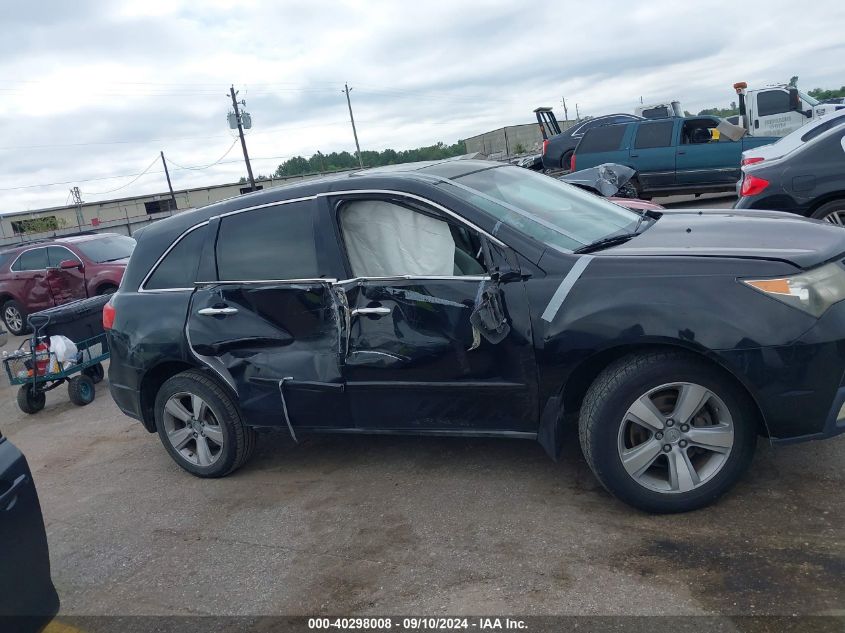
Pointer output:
x,y
752,185
751,161
108,315
545,145
572,163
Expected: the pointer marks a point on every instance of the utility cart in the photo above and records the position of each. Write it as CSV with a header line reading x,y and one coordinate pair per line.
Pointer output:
x,y
37,369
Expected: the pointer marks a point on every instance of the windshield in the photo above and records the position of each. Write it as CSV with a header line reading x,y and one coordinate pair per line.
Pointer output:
x,y
107,248
808,99
557,214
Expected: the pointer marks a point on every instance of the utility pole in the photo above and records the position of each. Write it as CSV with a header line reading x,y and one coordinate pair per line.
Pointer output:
x,y
354,131
169,186
577,116
565,111
77,200
232,93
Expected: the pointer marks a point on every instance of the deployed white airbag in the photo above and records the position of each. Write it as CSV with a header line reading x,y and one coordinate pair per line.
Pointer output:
x,y
386,240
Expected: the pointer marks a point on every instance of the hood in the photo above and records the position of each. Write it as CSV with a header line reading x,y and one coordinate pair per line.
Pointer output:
x,y
737,233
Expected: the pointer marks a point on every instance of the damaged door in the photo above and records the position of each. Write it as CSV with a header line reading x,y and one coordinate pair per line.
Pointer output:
x,y
438,333
270,325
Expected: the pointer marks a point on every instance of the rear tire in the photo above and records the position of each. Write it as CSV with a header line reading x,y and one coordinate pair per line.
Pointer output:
x,y
708,450
30,402
108,289
832,212
201,427
14,316
80,390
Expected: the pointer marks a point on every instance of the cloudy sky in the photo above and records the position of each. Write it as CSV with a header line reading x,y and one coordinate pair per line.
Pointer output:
x,y
92,90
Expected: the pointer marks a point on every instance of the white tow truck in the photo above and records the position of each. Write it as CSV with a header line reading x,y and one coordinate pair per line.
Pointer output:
x,y
777,110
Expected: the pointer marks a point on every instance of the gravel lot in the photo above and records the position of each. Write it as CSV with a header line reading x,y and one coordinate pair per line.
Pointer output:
x,y
380,525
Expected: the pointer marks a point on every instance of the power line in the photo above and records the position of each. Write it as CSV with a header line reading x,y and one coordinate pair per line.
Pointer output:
x,y
100,193
199,168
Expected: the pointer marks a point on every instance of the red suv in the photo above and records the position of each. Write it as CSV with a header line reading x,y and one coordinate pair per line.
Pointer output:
x,y
48,273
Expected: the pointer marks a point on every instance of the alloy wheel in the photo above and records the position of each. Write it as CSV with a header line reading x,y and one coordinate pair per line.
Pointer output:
x,y
13,318
675,437
193,429
836,217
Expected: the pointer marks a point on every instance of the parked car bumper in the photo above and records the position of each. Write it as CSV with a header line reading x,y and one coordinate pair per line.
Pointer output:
x,y
774,202
800,388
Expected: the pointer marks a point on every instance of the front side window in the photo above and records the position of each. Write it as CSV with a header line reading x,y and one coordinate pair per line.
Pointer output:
x,y
555,213
654,135
179,267
272,243
772,102
107,248
58,254
35,259
388,239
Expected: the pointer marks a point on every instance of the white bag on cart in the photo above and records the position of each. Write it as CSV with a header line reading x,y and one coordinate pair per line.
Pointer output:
x,y
65,350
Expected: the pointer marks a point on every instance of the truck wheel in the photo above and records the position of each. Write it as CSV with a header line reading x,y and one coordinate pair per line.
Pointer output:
x,y
666,432
96,372
833,212
80,390
108,289
30,401
201,426
15,317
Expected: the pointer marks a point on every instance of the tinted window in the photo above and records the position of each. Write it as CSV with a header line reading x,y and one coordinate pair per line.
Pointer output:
x,y
108,248
821,128
660,112
274,243
36,259
772,102
179,267
57,254
654,135
607,138
4,258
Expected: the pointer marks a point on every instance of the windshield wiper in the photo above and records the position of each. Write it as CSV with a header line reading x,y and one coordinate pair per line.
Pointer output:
x,y
612,240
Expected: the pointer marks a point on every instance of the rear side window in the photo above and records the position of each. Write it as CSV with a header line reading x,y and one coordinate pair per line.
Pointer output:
x,y
178,269
273,243
654,135
35,259
822,128
772,102
606,138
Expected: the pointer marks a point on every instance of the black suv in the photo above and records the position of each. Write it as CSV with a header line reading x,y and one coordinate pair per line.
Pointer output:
x,y
468,298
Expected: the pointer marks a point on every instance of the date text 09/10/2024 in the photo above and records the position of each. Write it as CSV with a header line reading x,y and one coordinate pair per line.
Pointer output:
x,y
417,624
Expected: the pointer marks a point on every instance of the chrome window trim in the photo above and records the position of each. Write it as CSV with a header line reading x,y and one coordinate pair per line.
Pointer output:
x,y
142,288
266,205
337,282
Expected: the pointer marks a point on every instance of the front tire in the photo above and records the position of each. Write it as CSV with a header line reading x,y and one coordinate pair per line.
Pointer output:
x,y
200,425
29,401
832,212
666,432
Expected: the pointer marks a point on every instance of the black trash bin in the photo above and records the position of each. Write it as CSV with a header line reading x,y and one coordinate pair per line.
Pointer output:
x,y
77,320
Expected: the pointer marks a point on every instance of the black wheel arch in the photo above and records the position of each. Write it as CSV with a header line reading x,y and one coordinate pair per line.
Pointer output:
x,y
160,373
571,393
823,200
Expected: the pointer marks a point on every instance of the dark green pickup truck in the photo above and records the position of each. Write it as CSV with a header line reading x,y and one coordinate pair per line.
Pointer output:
x,y
671,156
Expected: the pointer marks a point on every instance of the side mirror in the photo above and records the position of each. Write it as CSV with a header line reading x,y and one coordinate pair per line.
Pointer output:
x,y
507,275
70,264
807,113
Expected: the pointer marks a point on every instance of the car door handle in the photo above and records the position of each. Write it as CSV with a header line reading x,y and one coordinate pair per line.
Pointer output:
x,y
7,497
681,152
635,155
217,311
371,311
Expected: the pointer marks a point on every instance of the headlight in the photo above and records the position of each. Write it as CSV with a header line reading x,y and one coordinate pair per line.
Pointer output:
x,y
813,291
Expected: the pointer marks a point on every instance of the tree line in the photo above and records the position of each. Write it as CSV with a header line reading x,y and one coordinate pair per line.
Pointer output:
x,y
334,161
